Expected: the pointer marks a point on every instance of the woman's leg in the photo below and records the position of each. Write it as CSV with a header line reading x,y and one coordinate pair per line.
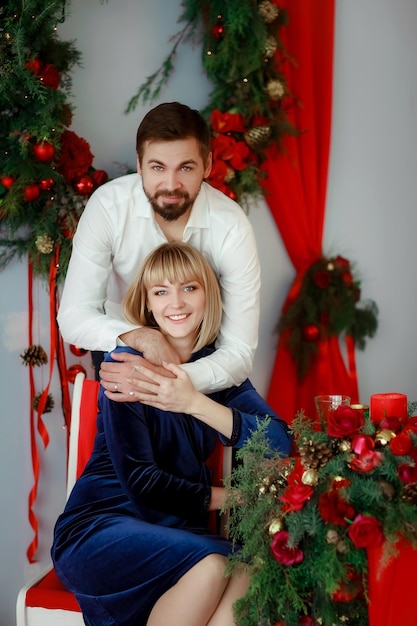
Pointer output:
x,y
195,597
236,588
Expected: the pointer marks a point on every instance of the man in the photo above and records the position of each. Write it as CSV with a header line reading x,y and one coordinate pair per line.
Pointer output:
x,y
129,216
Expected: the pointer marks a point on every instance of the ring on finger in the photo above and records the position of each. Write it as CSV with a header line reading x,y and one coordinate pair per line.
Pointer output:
x,y
116,387
131,393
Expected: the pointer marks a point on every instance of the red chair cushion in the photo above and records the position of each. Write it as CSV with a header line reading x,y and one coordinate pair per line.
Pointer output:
x,y
50,593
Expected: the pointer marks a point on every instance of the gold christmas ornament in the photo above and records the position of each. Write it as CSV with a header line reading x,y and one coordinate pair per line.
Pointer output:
x,y
44,243
270,46
275,526
384,436
268,11
257,137
310,477
275,89
345,446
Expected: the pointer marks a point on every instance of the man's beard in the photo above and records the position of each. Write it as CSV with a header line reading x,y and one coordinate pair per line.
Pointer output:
x,y
170,212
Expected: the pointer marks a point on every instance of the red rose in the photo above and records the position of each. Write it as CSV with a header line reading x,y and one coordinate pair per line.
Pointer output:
x,y
401,444
227,122
391,423
334,509
344,421
75,158
347,279
407,473
296,495
322,279
282,552
341,263
49,76
366,462
366,531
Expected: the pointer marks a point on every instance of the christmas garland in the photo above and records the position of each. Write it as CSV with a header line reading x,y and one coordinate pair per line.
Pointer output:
x,y
248,107
306,523
327,304
46,170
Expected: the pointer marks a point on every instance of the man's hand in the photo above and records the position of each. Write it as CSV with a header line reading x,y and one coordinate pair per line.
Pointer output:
x,y
153,345
120,379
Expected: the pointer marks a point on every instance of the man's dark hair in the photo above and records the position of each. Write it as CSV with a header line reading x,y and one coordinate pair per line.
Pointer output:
x,y
172,121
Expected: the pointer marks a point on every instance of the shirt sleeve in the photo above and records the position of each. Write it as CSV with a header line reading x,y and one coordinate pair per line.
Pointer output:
x,y
239,276
81,316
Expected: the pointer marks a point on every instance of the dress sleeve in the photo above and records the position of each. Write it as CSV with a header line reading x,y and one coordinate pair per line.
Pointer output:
x,y
253,409
134,459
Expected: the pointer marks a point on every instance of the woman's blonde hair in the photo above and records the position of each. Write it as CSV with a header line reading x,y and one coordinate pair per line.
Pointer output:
x,y
176,261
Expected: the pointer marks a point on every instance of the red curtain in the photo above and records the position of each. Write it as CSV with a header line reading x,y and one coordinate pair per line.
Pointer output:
x,y
295,190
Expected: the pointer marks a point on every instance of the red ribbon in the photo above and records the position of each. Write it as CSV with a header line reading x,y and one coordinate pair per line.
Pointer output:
x,y
56,348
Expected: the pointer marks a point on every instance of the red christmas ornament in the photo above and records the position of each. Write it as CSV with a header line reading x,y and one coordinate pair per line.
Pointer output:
x,y
33,65
218,30
311,332
43,151
7,181
46,184
31,193
49,76
84,185
73,371
99,177
78,351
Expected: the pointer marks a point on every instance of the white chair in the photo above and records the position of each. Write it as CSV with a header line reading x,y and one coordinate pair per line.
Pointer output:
x,y
44,601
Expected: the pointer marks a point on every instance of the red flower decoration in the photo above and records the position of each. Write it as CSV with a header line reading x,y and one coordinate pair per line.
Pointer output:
x,y
49,76
322,279
366,462
227,122
334,509
75,157
366,531
344,422
401,444
296,495
282,552
407,473
341,263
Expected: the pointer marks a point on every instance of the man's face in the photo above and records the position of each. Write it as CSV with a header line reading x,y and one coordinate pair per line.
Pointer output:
x,y
172,173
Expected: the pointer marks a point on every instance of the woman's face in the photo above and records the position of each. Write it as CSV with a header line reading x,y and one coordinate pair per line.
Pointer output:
x,y
178,308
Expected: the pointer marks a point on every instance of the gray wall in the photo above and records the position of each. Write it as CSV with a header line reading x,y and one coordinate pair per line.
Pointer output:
x,y
371,218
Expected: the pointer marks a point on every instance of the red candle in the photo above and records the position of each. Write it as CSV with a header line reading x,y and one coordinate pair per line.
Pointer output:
x,y
388,405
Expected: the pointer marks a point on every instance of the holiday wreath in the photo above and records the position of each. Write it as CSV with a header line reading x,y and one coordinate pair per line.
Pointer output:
x,y
306,523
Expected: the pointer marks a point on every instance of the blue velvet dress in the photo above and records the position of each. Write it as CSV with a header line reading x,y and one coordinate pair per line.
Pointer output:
x,y
136,520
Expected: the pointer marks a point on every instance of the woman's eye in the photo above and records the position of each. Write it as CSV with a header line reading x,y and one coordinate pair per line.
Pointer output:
x,y
160,292
190,288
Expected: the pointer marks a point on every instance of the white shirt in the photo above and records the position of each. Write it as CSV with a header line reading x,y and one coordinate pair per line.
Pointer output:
x,y
115,233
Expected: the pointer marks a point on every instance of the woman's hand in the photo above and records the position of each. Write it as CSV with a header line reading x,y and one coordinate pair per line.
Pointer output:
x,y
175,393
121,376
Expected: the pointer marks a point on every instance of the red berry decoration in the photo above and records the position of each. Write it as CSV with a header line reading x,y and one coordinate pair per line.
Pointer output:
x,y
7,181
33,65
46,184
73,371
99,177
218,30
43,151
311,332
84,185
31,193
78,351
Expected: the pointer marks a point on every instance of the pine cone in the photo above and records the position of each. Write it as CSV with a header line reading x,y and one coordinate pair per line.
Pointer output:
x,y
34,355
258,136
315,455
268,11
409,494
49,405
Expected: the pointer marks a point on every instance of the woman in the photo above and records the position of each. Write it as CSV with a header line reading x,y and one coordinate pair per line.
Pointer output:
x,y
132,543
